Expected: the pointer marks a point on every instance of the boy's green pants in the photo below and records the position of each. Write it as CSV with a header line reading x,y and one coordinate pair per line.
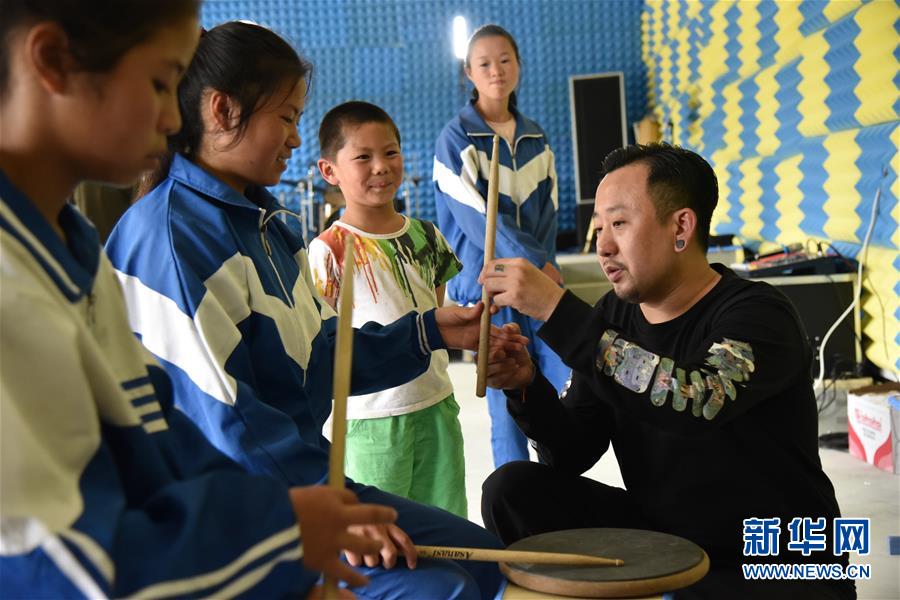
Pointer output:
x,y
418,455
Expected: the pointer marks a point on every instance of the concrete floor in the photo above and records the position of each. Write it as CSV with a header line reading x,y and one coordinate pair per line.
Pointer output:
x,y
862,490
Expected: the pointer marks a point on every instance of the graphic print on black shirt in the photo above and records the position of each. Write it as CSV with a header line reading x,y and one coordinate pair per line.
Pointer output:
x,y
730,362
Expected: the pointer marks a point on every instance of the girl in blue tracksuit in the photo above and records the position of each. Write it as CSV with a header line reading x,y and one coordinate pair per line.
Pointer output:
x,y
526,216
107,490
219,289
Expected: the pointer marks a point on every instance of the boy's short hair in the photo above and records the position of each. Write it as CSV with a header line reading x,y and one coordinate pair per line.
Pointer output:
x,y
353,113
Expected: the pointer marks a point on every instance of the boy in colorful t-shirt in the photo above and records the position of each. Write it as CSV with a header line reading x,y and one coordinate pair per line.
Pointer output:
x,y
405,440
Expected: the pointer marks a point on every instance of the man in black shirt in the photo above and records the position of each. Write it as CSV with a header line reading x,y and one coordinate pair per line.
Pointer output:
x,y
699,380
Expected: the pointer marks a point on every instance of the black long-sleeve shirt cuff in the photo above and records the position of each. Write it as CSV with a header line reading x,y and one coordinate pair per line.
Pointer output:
x,y
532,400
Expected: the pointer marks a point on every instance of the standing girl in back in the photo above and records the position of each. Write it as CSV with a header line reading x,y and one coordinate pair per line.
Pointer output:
x,y
526,214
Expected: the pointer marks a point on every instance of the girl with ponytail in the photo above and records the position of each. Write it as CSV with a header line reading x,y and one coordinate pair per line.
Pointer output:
x,y
219,289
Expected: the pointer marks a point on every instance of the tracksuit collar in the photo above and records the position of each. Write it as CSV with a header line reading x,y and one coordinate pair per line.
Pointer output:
x,y
71,264
474,124
198,179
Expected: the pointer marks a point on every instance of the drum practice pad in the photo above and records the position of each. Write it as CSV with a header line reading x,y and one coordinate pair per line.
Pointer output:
x,y
654,563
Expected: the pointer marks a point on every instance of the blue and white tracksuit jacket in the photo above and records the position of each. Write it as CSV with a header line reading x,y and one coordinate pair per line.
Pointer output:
x,y
526,228
219,289
526,213
105,489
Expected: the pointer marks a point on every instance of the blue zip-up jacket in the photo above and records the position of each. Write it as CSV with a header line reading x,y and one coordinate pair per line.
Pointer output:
x,y
526,213
220,290
106,490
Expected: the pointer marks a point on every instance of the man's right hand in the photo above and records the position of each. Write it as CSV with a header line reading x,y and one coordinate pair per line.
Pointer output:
x,y
517,283
325,514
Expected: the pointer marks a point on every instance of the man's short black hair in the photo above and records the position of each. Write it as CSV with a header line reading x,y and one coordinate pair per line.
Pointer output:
x,y
349,114
678,179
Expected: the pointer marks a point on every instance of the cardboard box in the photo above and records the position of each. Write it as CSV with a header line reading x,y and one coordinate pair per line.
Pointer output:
x,y
873,422
832,400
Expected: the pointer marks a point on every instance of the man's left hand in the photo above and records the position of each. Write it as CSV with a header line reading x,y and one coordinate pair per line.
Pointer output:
x,y
510,370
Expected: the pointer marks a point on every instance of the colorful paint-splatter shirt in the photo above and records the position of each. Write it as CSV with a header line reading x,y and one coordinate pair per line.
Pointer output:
x,y
395,273
711,415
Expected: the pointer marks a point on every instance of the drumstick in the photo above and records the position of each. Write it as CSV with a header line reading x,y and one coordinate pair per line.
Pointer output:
x,y
517,556
490,234
343,355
